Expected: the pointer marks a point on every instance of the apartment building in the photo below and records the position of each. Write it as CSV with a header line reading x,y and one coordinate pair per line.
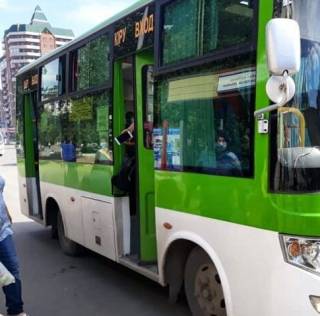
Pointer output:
x,y
22,44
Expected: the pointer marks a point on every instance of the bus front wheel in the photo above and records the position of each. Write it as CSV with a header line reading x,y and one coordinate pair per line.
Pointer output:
x,y
68,246
203,286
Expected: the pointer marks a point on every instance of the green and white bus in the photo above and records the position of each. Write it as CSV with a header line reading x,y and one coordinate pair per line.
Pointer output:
x,y
220,203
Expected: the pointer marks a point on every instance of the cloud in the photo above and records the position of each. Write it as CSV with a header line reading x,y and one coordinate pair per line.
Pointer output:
x,y
94,12
3,4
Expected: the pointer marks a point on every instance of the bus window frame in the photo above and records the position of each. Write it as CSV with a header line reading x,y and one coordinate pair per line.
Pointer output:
x,y
247,174
82,95
39,94
105,87
161,69
108,83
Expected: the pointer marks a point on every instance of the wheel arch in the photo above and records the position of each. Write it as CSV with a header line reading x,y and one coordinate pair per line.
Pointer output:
x,y
51,210
176,251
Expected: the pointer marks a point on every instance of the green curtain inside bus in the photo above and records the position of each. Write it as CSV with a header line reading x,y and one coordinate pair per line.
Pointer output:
x,y
190,133
204,125
210,33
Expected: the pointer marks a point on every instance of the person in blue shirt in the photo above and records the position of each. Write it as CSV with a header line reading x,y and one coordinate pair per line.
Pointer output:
x,y
9,259
68,151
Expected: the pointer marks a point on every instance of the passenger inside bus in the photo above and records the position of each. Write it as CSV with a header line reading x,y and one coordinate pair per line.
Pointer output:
x,y
130,149
130,162
227,161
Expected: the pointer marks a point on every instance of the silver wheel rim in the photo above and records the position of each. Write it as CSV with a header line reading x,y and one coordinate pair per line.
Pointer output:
x,y
208,291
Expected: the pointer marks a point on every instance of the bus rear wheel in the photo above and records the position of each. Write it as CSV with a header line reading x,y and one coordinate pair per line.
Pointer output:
x,y
203,286
68,246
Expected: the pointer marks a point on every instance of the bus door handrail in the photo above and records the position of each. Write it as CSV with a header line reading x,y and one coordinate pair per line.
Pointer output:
x,y
302,122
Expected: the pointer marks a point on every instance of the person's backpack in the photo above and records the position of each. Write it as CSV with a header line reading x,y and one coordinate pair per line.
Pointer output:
x,y
125,178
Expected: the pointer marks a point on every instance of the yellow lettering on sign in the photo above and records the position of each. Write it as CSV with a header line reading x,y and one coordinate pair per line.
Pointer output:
x,y
151,24
137,30
144,26
120,37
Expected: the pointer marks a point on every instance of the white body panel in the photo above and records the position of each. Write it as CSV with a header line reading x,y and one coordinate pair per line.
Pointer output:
x,y
23,195
256,279
32,194
90,219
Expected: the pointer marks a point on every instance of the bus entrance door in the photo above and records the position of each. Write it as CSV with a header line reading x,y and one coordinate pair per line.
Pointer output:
x,y
32,156
145,165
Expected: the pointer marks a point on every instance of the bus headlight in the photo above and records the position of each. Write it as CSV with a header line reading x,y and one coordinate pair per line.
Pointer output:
x,y
302,252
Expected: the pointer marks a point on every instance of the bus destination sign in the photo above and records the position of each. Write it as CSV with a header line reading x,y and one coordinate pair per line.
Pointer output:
x,y
135,32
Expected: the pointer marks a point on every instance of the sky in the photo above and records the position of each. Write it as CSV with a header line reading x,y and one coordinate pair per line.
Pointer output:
x,y
79,15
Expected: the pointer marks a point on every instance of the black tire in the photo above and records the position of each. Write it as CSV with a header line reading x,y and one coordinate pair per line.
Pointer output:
x,y
68,246
54,225
54,231
203,286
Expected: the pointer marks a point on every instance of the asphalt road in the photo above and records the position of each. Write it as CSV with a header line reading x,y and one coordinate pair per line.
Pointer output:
x,y
57,285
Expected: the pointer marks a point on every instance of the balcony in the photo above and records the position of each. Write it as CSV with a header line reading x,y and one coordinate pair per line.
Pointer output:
x,y
25,46
27,40
35,54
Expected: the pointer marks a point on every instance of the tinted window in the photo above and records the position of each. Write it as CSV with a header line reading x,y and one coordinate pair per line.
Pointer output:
x,y
79,130
205,123
194,28
90,64
52,79
50,130
180,30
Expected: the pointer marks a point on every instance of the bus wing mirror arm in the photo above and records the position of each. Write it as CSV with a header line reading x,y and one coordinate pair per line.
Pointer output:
x,y
280,90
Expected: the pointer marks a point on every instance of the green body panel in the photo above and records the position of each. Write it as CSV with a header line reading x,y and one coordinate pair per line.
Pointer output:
x,y
85,177
118,115
239,200
146,206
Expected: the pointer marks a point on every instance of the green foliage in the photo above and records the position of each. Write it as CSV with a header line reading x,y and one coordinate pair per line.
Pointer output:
x,y
93,63
196,27
82,121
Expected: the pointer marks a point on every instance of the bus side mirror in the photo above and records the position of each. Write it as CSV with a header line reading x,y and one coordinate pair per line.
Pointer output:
x,y
283,59
283,46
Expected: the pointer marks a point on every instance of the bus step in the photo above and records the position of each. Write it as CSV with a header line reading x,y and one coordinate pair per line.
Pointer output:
x,y
132,262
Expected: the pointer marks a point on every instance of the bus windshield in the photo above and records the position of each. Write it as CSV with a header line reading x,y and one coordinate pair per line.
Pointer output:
x,y
296,134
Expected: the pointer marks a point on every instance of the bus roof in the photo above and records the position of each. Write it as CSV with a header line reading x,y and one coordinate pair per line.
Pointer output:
x,y
97,28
